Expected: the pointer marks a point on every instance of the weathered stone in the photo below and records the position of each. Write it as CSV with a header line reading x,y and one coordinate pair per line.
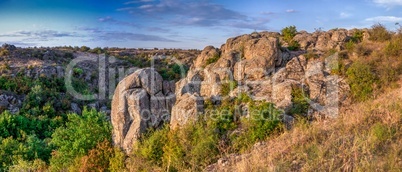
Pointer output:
x,y
75,108
315,80
325,42
166,87
170,101
208,53
261,56
139,104
60,71
340,35
186,110
296,67
151,81
282,95
158,110
130,113
305,40
94,106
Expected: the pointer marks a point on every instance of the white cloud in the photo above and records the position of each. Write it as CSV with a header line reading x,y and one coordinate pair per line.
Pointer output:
x,y
140,1
345,15
267,12
388,3
145,6
388,19
291,11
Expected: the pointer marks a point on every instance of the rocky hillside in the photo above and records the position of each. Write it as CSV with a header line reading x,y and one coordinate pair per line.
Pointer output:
x,y
263,101
362,134
17,64
257,86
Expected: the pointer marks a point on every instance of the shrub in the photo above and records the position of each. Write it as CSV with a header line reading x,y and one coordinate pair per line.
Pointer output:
x,y
151,145
104,157
362,49
227,87
300,103
311,55
380,132
394,47
350,46
361,80
4,53
293,45
84,49
180,69
22,165
263,121
97,50
379,33
81,134
288,34
213,59
78,71
357,36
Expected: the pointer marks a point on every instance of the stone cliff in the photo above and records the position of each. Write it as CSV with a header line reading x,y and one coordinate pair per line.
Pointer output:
x,y
259,66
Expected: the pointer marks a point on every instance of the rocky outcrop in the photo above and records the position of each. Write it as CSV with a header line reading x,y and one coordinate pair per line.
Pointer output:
x,y
186,110
324,41
141,101
265,71
10,102
247,57
208,53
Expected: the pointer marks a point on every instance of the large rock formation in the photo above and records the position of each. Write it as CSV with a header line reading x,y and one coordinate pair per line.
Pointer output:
x,y
141,101
265,71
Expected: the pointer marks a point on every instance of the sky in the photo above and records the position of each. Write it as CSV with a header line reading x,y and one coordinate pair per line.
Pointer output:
x,y
186,24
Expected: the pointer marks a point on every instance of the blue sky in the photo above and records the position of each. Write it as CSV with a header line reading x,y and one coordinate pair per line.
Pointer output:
x,y
178,23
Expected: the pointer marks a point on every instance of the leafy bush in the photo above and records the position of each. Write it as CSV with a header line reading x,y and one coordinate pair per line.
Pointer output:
x,y
151,145
263,121
4,53
227,87
97,50
104,157
357,36
394,47
300,103
288,34
84,49
379,33
213,59
81,134
361,80
293,45
362,49
78,71
350,45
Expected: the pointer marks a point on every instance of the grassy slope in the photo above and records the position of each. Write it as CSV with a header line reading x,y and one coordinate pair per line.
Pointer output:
x,y
366,137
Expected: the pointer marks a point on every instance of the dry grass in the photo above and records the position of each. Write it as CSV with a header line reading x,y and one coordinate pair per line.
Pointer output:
x,y
366,137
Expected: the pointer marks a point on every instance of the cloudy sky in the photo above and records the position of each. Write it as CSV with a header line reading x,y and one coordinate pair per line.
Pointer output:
x,y
178,23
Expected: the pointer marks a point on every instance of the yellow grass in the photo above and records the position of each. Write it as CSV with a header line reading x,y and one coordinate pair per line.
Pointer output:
x,y
366,137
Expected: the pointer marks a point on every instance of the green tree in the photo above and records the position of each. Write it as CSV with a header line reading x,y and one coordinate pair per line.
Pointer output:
x,y
81,134
84,48
288,34
11,151
361,80
379,33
